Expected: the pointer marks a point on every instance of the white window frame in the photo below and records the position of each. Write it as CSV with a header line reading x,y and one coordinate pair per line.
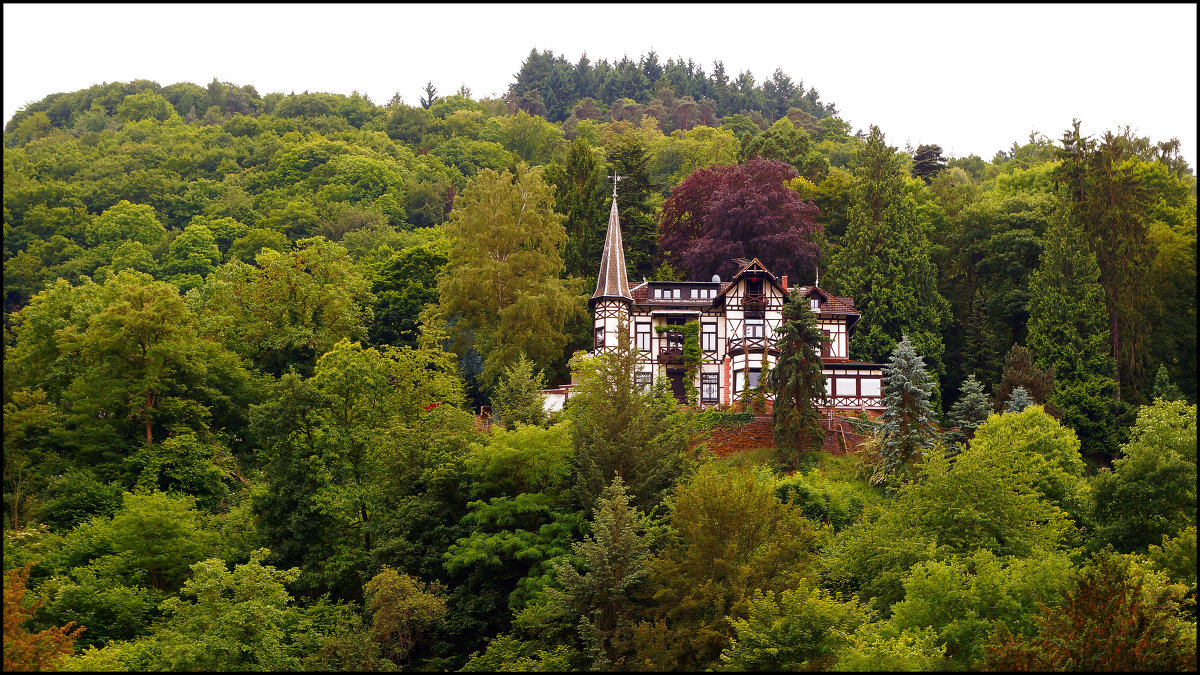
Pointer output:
x,y
643,336
706,330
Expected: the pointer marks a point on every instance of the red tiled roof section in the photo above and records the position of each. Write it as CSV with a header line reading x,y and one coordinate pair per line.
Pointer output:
x,y
833,303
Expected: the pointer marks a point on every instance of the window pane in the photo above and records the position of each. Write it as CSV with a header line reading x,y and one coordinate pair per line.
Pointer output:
x,y
846,386
754,372
870,386
642,380
708,387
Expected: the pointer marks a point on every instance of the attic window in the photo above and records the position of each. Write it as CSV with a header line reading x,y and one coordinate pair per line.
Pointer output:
x,y
814,303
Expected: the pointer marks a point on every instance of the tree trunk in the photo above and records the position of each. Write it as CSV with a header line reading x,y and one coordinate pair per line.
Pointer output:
x,y
1116,354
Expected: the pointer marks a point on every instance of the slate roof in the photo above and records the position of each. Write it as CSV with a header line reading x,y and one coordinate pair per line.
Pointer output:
x,y
612,281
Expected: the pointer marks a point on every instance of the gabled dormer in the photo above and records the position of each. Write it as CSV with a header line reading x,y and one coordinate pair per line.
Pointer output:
x,y
836,316
752,287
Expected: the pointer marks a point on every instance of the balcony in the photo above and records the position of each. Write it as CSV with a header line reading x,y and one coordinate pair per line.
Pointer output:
x,y
670,356
738,343
671,351
754,300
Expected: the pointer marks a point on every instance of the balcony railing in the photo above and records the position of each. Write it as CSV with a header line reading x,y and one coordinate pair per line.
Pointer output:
x,y
737,343
853,402
754,300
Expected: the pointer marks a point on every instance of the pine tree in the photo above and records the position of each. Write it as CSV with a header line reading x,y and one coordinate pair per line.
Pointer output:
x,y
1019,401
797,381
885,263
907,416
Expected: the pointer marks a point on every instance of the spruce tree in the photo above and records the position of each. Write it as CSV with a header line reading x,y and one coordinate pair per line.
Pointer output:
x,y
517,397
1068,332
971,409
1019,401
1019,371
907,416
614,558
1164,388
885,263
797,381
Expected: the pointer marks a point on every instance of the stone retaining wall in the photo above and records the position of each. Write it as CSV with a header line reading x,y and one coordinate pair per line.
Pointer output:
x,y
840,437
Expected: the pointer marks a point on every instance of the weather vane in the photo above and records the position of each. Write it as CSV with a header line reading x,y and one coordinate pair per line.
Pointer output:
x,y
616,179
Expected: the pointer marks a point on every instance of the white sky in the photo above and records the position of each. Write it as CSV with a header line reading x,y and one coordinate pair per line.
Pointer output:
x,y
971,78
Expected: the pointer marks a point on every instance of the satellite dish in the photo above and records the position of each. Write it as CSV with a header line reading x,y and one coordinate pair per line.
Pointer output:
x,y
716,278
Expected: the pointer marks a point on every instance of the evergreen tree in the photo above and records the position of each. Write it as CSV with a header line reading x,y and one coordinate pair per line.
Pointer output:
x,y
907,418
1067,332
614,558
1164,388
885,265
1019,372
618,429
1019,401
928,162
631,157
517,397
797,382
581,195
1107,201
971,409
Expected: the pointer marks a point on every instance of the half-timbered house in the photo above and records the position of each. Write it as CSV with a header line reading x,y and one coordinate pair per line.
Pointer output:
x,y
737,319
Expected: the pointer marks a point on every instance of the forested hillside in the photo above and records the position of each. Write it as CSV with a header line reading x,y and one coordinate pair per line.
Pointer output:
x,y
246,339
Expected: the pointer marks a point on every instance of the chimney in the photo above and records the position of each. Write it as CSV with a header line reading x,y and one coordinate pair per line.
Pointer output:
x,y
783,282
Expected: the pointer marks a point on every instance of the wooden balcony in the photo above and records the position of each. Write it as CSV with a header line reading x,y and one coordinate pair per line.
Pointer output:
x,y
670,355
754,300
737,344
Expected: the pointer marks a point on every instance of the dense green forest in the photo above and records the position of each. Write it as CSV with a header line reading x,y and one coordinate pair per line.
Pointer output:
x,y
246,338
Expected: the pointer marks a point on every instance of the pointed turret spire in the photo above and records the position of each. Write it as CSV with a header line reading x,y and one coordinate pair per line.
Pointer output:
x,y
612,281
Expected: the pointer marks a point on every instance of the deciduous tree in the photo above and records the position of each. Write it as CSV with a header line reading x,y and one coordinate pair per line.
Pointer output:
x,y
743,211
502,278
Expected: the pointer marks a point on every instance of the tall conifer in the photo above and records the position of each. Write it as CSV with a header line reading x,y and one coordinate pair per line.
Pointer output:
x,y
884,263
797,381
907,416
1068,332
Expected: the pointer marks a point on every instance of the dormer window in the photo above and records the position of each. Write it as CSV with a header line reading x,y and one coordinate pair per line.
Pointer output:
x,y
814,303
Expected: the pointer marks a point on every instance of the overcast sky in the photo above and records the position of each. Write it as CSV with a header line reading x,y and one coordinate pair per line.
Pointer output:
x,y
971,78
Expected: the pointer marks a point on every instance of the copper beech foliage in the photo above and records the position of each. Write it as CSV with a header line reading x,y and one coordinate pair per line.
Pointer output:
x,y
742,211
25,650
